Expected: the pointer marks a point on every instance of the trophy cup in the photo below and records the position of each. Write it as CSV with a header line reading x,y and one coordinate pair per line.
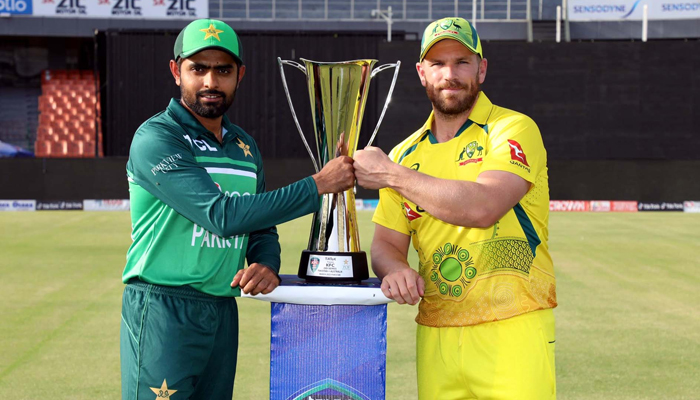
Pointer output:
x,y
338,93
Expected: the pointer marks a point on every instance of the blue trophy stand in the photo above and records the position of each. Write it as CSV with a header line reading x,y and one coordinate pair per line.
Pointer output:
x,y
327,341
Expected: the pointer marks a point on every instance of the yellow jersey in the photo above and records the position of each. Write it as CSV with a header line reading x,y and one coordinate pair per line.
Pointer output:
x,y
475,275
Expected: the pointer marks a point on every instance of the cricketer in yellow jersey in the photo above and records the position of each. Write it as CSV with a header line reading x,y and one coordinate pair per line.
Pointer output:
x,y
470,190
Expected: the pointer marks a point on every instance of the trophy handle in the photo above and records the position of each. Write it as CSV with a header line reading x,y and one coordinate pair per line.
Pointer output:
x,y
300,67
379,69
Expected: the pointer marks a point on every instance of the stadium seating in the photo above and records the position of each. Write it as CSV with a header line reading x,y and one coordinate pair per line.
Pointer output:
x,y
69,119
19,115
403,10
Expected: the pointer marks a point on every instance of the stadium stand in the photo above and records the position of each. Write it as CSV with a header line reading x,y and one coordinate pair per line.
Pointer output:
x,y
19,115
409,10
69,119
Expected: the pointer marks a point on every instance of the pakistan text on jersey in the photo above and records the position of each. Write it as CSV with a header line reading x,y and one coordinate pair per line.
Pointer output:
x,y
167,164
211,240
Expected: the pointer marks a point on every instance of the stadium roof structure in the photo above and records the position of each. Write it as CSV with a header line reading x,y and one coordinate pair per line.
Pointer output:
x,y
495,19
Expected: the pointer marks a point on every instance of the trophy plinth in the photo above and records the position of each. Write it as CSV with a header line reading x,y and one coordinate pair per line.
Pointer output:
x,y
338,94
333,266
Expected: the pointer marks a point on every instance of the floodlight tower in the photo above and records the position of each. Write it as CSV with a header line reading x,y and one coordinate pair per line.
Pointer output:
x,y
386,16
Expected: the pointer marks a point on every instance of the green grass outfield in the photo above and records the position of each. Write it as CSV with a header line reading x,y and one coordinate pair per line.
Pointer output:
x,y
628,322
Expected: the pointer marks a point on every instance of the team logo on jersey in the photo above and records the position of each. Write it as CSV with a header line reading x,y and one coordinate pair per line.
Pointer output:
x,y
163,392
245,148
517,153
467,154
410,214
452,270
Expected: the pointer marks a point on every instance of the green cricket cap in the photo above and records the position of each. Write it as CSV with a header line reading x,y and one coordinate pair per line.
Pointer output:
x,y
454,28
205,34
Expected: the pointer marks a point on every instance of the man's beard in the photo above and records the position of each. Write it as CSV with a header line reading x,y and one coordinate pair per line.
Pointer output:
x,y
454,106
194,103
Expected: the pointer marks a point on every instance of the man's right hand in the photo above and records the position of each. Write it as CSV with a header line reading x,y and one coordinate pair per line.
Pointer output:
x,y
405,286
337,176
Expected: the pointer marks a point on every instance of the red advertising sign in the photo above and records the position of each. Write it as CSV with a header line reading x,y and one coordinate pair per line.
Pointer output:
x,y
623,206
569,205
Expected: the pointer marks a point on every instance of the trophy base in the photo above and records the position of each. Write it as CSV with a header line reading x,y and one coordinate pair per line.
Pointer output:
x,y
333,267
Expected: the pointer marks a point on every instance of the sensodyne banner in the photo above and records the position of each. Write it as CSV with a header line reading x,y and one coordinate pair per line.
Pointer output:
x,y
631,10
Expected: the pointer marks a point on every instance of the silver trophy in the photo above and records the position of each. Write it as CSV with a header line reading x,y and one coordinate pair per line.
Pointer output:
x,y
338,94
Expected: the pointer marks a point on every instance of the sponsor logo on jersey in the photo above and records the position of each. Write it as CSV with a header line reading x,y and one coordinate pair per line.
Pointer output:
x,y
201,144
167,164
410,214
517,153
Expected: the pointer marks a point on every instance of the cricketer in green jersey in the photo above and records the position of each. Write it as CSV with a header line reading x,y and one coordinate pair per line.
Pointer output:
x,y
199,210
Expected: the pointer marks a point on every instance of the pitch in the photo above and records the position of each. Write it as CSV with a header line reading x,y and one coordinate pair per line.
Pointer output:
x,y
628,322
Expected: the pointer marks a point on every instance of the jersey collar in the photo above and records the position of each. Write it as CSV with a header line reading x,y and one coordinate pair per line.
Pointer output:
x,y
482,110
479,115
192,126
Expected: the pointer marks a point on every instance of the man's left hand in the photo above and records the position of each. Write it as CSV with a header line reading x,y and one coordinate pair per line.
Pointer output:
x,y
256,279
373,168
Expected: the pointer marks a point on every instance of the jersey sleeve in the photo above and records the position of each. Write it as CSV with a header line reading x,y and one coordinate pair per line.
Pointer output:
x,y
263,244
390,212
515,146
162,162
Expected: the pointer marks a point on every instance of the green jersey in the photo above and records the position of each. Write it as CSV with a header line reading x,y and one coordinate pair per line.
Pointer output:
x,y
199,207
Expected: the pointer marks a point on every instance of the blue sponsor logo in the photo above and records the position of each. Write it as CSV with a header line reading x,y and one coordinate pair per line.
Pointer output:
x,y
16,7
632,10
680,7
22,205
607,9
